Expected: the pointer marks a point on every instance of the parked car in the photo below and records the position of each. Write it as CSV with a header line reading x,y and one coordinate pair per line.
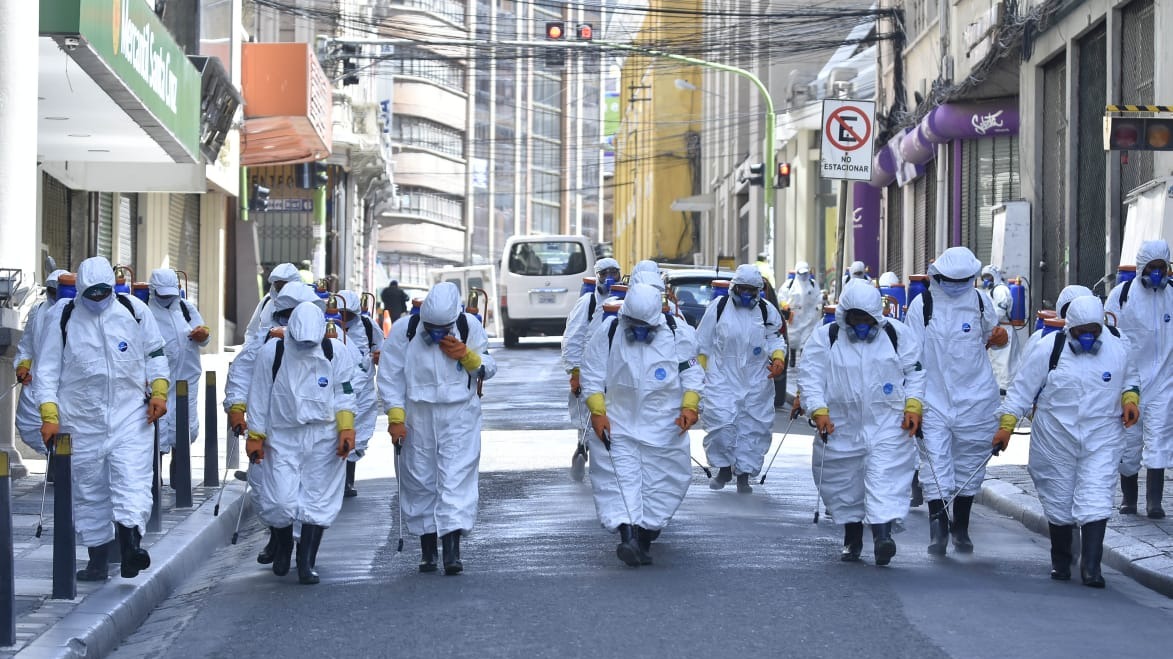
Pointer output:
x,y
539,282
692,288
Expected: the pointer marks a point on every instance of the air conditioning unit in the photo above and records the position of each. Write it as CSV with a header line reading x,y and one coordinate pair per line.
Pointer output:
x,y
840,81
800,89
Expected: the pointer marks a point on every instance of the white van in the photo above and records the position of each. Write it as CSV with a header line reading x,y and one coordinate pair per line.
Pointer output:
x,y
539,282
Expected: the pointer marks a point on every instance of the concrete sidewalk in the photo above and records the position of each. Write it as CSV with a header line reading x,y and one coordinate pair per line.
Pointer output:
x,y
1137,546
104,613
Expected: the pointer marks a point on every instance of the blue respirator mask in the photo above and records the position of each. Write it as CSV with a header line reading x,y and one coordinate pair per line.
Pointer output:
x,y
954,288
1086,342
436,333
987,284
744,296
863,332
1155,279
639,334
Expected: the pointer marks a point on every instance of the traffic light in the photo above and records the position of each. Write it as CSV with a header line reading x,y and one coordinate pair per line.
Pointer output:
x,y
310,175
556,31
782,176
349,65
586,32
555,56
1127,132
757,174
258,198
321,174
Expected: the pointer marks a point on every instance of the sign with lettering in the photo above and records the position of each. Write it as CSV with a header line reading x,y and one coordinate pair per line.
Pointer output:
x,y
847,133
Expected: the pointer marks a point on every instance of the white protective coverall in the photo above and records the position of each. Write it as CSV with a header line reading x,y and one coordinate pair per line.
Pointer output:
x,y
736,351
97,376
865,387
580,324
1002,358
183,352
1069,293
1076,434
805,301
1146,321
240,371
961,394
263,314
364,338
28,417
298,411
641,387
436,397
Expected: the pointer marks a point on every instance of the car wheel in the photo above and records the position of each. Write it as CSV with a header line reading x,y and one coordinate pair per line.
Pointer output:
x,y
511,338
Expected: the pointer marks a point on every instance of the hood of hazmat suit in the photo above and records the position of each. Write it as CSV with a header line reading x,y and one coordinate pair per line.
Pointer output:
x,y
164,283
307,326
994,272
802,268
647,278
861,295
889,279
858,269
284,272
956,263
747,274
643,304
442,305
1068,294
1151,250
606,264
646,265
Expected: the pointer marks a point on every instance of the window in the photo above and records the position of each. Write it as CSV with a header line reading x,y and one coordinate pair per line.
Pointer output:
x,y
547,259
451,10
431,205
427,134
421,63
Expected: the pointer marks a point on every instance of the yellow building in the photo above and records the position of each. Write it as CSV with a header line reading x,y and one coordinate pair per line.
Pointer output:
x,y
658,145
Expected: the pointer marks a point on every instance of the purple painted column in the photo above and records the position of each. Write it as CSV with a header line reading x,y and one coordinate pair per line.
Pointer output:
x,y
865,224
956,196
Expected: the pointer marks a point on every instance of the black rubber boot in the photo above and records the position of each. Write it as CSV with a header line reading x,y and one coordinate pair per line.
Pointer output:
x,y
884,546
938,527
743,484
918,494
265,557
578,463
314,548
135,559
724,475
627,550
1129,487
284,554
1154,489
428,552
1092,553
98,569
852,542
305,549
349,491
643,540
452,564
1061,551
959,528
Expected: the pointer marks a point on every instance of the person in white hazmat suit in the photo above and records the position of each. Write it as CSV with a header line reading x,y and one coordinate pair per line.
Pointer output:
x,y
101,376
281,275
955,323
804,299
642,385
857,270
239,382
741,348
301,409
1089,386
863,381
1002,358
184,333
586,315
365,340
1130,457
1143,309
429,380
28,417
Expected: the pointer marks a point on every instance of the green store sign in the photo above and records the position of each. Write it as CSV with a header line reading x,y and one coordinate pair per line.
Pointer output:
x,y
133,43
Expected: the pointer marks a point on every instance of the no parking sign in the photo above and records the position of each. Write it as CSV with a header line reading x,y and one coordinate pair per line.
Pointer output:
x,y
847,133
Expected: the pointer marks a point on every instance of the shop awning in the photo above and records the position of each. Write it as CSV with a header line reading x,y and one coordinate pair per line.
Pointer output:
x,y
287,105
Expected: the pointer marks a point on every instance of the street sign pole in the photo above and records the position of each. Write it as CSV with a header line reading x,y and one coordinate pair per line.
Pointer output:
x,y
846,155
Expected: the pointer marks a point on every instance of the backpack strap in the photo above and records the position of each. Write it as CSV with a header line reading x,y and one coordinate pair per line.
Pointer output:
x,y
611,332
928,306
185,310
462,327
328,349
591,307
765,314
369,327
67,312
1124,291
670,320
721,305
412,325
277,356
833,333
1113,330
1057,350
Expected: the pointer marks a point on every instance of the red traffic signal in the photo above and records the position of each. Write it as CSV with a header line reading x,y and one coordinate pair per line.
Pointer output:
x,y
1131,133
782,176
556,30
586,32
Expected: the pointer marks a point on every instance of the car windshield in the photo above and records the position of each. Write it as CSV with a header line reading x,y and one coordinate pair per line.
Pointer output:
x,y
547,259
693,292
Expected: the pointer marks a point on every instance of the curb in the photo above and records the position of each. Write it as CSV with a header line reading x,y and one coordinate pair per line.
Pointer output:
x,y
103,619
1011,500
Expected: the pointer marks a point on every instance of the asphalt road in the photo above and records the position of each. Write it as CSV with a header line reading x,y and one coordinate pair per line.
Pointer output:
x,y
734,574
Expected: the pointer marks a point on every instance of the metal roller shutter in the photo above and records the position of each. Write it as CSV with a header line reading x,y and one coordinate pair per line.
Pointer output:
x,y
1054,143
919,220
104,241
989,174
1136,86
894,232
183,239
55,220
128,231
1090,228
929,247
